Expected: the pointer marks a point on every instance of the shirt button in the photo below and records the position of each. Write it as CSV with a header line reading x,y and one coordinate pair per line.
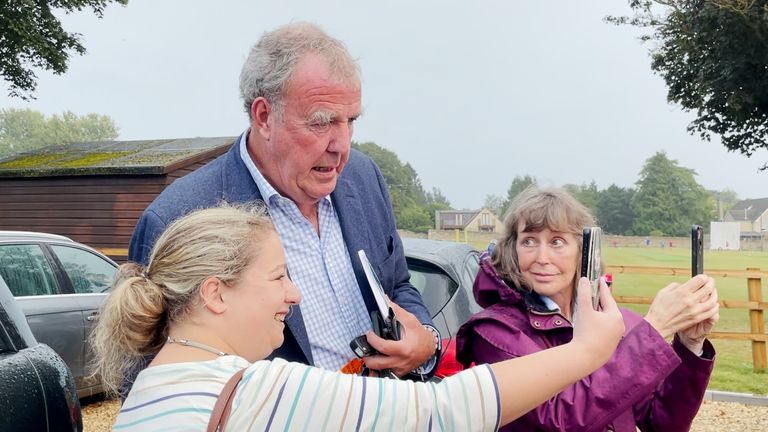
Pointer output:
x,y
558,322
536,324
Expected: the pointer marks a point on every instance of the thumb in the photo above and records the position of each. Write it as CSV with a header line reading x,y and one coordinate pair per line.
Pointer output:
x,y
584,294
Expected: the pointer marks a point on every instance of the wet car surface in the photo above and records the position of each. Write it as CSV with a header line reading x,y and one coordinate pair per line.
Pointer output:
x,y
37,390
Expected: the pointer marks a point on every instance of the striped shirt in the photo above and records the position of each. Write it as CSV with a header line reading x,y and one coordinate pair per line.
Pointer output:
x,y
332,306
278,395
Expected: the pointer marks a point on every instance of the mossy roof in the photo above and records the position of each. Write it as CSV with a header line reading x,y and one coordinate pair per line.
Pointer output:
x,y
149,157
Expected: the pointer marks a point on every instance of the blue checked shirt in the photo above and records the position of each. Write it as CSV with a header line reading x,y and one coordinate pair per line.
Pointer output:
x,y
332,306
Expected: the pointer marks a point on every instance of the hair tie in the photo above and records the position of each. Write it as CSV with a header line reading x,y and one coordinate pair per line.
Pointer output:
x,y
144,274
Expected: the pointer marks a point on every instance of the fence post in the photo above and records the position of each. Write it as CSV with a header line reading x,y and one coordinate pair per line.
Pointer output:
x,y
757,323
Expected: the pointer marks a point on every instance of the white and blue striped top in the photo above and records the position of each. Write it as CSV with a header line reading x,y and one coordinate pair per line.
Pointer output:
x,y
278,395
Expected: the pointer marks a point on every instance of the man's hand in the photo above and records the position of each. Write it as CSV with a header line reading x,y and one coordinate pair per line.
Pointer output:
x,y
416,345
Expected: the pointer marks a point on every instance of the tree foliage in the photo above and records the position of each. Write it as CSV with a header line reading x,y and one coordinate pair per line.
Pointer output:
x,y
495,204
587,194
414,208
519,183
614,210
31,36
668,199
724,200
24,129
713,55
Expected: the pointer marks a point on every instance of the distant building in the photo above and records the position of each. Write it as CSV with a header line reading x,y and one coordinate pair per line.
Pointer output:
x,y
95,192
752,216
482,220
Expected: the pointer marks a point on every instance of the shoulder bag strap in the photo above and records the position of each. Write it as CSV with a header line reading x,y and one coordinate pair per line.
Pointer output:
x,y
223,406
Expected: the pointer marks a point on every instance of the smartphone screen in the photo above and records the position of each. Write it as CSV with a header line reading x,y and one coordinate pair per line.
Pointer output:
x,y
591,264
697,250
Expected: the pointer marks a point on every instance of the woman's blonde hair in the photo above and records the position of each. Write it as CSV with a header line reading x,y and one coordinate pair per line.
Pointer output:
x,y
219,241
537,209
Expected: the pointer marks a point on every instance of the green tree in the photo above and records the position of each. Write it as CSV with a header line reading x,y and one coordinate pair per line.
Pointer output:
x,y
713,55
519,183
668,198
724,200
24,129
436,201
614,210
32,37
587,194
495,204
414,209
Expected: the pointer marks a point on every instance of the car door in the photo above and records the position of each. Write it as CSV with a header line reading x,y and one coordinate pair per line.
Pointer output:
x,y
55,318
88,277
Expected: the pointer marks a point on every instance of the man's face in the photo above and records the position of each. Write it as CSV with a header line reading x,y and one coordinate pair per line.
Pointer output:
x,y
308,145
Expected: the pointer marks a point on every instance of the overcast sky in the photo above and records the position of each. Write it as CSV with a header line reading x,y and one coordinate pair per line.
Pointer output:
x,y
471,94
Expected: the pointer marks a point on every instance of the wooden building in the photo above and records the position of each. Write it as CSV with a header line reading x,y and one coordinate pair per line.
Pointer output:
x,y
95,192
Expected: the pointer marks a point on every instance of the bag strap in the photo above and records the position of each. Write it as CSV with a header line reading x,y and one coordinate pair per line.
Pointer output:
x,y
223,406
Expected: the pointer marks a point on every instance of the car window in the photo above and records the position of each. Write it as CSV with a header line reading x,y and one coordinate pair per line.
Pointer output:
x,y
26,270
435,287
88,272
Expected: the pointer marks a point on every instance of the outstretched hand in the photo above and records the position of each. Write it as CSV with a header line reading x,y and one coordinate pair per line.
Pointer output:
x,y
416,345
600,330
689,309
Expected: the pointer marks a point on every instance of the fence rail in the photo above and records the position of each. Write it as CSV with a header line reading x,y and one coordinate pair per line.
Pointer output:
x,y
755,305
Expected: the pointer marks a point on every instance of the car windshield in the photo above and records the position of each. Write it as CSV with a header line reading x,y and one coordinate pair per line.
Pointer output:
x,y
435,287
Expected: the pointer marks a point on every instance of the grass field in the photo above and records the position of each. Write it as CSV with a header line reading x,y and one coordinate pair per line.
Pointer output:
x,y
733,367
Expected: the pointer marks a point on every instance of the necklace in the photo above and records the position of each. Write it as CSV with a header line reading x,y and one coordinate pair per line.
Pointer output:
x,y
193,344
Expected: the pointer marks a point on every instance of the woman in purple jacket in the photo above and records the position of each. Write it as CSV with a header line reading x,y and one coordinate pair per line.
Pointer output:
x,y
528,287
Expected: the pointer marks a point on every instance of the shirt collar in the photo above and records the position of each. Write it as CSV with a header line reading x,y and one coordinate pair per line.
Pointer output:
x,y
549,303
266,189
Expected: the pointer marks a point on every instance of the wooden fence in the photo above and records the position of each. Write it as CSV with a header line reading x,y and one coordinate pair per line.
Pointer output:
x,y
754,304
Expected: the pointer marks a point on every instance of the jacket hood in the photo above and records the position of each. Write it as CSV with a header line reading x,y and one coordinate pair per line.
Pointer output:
x,y
489,289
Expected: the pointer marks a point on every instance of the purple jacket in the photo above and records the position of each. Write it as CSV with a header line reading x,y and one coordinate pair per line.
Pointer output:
x,y
647,383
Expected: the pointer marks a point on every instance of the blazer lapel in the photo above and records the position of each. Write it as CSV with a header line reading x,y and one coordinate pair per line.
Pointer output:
x,y
354,230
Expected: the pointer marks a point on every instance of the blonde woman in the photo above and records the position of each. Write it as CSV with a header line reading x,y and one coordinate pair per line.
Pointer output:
x,y
212,301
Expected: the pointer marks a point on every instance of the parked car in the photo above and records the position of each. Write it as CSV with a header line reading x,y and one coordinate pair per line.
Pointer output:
x,y
443,272
59,285
37,390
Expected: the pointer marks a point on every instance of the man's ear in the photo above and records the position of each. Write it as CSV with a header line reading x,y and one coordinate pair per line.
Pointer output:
x,y
261,110
211,293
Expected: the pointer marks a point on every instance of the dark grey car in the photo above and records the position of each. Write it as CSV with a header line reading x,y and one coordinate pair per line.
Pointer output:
x,y
37,391
60,285
444,272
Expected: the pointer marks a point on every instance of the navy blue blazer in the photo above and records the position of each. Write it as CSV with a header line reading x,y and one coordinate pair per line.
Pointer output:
x,y
360,199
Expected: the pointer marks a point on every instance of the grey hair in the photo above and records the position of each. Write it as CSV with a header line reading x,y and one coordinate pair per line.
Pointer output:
x,y
273,59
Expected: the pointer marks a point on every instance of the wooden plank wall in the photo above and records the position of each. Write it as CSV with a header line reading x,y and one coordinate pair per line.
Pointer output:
x,y
99,211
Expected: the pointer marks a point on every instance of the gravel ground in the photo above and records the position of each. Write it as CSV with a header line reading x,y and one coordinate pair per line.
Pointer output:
x,y
713,417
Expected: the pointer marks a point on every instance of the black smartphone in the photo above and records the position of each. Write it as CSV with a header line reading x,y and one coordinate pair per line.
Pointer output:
x,y
591,264
697,250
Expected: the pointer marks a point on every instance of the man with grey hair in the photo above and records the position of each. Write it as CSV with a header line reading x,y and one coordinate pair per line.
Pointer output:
x,y
301,89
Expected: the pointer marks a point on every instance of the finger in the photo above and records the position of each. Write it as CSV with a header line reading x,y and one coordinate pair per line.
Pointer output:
x,y
696,283
384,346
705,290
403,315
